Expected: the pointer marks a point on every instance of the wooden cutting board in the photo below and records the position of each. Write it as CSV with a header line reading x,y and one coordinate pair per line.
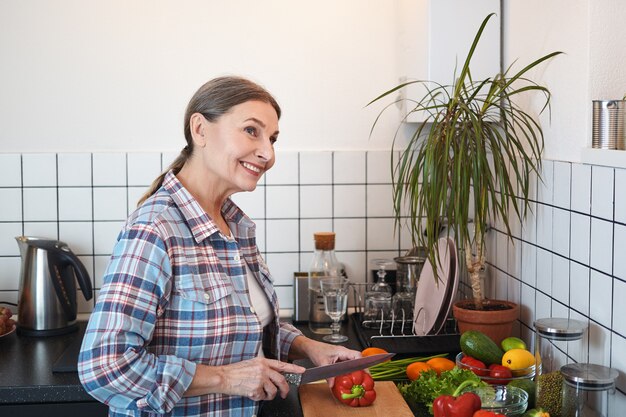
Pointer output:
x,y
318,401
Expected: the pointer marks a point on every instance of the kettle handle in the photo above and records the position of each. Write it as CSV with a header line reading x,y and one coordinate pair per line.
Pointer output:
x,y
82,276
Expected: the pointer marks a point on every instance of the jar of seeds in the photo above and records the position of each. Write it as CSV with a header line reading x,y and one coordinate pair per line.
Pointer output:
x,y
558,341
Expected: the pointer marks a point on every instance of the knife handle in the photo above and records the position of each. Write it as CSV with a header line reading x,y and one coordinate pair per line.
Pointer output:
x,y
293,379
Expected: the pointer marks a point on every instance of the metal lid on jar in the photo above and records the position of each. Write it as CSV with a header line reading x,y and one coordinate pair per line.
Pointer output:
x,y
589,376
411,260
560,328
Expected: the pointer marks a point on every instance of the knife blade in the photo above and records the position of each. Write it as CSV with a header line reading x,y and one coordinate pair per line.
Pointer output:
x,y
334,369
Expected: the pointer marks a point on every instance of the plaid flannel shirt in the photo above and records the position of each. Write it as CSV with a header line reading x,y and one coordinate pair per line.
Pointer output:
x,y
175,295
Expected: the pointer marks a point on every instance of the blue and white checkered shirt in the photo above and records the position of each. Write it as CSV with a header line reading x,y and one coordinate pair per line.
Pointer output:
x,y
175,295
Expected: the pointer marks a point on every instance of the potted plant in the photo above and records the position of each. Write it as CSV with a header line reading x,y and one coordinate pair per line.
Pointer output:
x,y
468,163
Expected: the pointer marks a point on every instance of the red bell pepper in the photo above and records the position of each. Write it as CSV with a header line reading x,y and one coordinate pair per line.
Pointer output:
x,y
355,389
487,413
456,405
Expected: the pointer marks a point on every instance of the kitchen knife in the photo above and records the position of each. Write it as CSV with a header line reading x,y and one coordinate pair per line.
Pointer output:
x,y
335,369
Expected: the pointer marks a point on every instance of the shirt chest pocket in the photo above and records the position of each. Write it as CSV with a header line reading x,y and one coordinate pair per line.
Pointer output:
x,y
206,288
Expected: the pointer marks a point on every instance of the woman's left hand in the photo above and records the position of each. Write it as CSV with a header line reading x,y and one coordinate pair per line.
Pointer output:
x,y
324,353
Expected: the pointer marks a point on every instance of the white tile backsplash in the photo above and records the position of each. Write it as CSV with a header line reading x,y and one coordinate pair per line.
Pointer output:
x,y
602,192
619,307
620,195
252,203
563,263
349,200
562,184
560,279
74,169
602,245
285,170
282,267
561,231
9,273
110,203
544,270
379,200
600,297
75,204
78,236
316,201
316,168
8,233
350,234
143,168
48,230
40,204
11,207
379,167
281,202
579,287
581,191
105,236
545,185
10,170
349,167
619,247
307,228
380,234
109,169
282,235
580,238
39,169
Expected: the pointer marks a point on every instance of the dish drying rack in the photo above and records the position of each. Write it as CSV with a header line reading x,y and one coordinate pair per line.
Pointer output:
x,y
395,334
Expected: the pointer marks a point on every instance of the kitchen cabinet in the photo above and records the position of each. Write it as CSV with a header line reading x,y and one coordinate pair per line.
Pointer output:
x,y
434,37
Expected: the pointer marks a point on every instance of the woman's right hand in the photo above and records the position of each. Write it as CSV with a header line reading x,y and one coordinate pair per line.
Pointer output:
x,y
258,379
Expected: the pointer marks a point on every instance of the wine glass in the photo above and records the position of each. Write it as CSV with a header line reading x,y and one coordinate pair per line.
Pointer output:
x,y
335,292
382,265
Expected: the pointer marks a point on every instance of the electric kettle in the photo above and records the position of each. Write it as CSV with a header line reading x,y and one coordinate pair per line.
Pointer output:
x,y
47,293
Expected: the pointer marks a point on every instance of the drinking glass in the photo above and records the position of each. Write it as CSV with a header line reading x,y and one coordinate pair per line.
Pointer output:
x,y
382,264
335,292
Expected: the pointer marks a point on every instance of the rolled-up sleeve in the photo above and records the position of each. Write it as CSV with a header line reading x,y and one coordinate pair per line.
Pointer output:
x,y
115,365
287,333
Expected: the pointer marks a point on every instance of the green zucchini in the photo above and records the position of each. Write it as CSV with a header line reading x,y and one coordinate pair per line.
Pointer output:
x,y
480,346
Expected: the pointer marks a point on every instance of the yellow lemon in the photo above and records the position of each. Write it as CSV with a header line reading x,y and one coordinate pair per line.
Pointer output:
x,y
518,359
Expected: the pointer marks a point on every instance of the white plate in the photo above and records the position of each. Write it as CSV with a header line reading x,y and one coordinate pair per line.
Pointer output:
x,y
452,284
9,332
431,294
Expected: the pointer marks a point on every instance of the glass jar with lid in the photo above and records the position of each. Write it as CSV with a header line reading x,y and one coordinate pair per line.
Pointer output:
x,y
588,390
558,341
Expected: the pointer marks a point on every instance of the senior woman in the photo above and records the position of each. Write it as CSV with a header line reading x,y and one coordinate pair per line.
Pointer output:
x,y
186,322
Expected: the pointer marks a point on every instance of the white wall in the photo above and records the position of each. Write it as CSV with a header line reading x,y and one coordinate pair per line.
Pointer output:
x,y
117,75
593,36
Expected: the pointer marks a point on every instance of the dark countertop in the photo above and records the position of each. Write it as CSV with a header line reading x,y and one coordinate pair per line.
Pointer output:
x,y
26,375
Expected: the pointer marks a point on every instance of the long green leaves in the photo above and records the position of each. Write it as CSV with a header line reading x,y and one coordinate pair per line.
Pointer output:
x,y
474,153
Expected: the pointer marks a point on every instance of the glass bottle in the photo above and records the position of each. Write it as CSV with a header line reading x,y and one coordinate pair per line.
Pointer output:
x,y
324,264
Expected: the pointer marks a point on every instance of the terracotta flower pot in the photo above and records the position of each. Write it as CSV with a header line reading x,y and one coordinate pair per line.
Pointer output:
x,y
495,319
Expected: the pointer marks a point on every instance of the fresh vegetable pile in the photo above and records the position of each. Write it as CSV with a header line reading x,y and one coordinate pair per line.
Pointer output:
x,y
429,385
408,368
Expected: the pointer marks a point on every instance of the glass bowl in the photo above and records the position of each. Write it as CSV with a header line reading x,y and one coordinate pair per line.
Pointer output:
x,y
510,401
483,373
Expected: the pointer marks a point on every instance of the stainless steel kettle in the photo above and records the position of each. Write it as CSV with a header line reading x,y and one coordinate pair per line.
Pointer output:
x,y
47,293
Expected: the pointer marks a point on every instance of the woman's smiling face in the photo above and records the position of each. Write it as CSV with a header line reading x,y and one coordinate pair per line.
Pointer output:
x,y
239,146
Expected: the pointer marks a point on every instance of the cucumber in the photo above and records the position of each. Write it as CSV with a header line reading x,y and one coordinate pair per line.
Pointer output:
x,y
480,346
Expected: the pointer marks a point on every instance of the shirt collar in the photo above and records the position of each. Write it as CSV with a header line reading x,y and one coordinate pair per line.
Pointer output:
x,y
201,225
